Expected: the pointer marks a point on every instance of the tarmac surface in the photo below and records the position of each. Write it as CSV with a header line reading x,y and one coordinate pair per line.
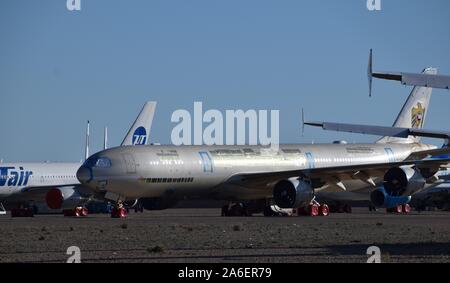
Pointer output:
x,y
201,235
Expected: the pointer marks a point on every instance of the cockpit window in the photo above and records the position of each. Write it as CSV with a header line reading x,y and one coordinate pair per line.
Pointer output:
x,y
103,162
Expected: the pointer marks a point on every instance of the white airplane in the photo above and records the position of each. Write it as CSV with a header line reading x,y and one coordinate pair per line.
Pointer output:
x,y
426,79
24,184
388,171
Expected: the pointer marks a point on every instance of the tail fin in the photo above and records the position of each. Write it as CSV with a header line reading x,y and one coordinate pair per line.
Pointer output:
x,y
139,132
414,111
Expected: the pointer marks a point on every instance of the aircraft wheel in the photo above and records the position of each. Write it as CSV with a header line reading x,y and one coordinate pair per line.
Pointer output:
x,y
313,210
118,212
237,210
347,208
324,210
84,212
406,208
225,210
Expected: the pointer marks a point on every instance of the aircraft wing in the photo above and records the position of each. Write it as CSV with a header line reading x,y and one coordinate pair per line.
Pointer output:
x,y
334,175
433,153
46,188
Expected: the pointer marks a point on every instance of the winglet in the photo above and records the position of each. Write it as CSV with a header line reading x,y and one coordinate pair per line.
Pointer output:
x,y
86,150
370,72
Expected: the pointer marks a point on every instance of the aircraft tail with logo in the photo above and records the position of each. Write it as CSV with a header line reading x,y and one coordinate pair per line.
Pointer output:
x,y
414,112
139,133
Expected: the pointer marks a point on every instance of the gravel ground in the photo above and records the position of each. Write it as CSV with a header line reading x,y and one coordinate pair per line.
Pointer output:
x,y
200,235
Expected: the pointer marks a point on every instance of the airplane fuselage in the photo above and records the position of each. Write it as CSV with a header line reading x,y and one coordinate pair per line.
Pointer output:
x,y
202,171
16,177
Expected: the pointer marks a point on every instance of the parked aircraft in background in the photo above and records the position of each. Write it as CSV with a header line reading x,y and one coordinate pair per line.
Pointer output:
x,y
389,171
23,184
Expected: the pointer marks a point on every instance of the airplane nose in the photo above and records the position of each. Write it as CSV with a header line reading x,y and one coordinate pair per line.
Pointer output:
x,y
84,174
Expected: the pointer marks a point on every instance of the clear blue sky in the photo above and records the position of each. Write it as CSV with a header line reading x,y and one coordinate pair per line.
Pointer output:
x,y
59,68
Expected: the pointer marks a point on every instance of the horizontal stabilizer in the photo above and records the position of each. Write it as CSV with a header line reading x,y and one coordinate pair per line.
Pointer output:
x,y
429,78
380,130
426,80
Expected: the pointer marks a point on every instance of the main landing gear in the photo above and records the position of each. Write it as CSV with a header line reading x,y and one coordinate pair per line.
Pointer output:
x,y
22,212
271,210
341,208
76,212
235,209
119,211
313,209
399,209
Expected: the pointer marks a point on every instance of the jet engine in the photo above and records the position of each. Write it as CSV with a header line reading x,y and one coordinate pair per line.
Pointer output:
x,y
403,181
399,184
158,203
64,198
293,193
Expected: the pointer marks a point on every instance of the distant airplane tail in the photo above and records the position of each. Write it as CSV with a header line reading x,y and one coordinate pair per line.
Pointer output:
x,y
413,113
140,130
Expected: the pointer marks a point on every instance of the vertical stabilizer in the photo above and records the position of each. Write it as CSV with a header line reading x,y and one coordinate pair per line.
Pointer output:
x,y
414,112
140,130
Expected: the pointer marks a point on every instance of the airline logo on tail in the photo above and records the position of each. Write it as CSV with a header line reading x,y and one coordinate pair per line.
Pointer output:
x,y
417,114
140,136
11,177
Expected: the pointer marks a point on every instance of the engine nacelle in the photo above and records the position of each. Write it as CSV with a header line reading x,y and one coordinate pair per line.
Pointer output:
x,y
65,198
401,181
293,193
380,198
158,203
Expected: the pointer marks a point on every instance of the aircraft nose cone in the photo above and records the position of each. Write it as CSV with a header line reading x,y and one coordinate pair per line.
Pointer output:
x,y
84,175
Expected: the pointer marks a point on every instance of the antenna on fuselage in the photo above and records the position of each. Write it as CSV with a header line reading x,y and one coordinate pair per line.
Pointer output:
x,y
105,139
86,152
303,122
370,72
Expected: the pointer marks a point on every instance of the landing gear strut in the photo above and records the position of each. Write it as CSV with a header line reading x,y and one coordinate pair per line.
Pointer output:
x,y
2,209
119,211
